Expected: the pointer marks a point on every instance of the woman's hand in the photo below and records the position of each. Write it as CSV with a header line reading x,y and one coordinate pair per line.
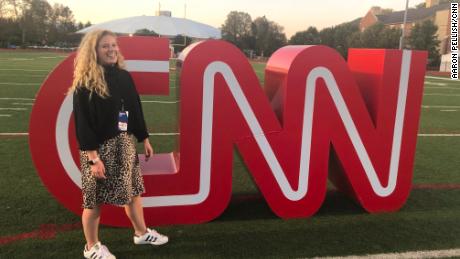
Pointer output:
x,y
98,169
148,150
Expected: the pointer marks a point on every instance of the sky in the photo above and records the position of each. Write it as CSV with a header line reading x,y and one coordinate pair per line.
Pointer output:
x,y
293,15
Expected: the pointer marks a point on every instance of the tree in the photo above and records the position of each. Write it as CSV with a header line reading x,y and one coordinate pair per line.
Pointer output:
x,y
268,36
181,42
80,26
421,5
308,37
36,22
146,32
10,9
10,27
348,35
87,24
423,37
33,18
327,37
62,23
237,29
11,12
10,33
379,36
342,34
4,8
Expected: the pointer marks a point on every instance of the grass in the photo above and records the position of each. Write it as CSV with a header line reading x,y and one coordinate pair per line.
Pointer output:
x,y
437,160
247,228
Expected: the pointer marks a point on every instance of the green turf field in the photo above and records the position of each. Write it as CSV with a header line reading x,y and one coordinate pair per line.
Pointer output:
x,y
430,220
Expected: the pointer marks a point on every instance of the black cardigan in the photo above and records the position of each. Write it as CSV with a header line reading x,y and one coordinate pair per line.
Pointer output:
x,y
96,118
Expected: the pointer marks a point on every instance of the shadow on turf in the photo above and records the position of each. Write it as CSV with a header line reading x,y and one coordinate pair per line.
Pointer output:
x,y
254,207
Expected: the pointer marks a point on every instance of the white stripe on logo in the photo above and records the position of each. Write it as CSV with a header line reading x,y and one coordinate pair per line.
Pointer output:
x,y
147,66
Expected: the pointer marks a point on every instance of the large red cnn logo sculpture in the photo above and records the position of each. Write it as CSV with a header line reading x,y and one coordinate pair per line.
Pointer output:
x,y
316,116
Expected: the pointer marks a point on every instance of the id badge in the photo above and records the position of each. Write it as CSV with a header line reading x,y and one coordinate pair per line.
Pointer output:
x,y
123,121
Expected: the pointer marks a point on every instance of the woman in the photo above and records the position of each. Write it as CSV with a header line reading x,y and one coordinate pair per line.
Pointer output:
x,y
108,113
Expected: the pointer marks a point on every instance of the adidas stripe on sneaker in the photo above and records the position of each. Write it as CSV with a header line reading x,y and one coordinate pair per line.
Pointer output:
x,y
98,251
152,237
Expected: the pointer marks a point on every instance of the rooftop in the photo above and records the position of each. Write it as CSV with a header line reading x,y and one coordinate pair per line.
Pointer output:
x,y
412,14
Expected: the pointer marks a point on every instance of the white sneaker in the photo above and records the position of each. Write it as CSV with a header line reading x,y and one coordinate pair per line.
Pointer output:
x,y
98,251
152,237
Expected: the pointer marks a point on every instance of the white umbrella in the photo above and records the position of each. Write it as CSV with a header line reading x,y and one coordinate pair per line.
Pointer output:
x,y
162,25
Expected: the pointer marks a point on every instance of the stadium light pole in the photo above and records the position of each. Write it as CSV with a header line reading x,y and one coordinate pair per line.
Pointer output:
x,y
401,40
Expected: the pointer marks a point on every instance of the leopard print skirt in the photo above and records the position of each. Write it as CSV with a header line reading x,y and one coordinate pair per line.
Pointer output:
x,y
124,180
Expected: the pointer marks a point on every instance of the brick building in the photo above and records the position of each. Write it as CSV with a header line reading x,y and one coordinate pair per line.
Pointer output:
x,y
438,13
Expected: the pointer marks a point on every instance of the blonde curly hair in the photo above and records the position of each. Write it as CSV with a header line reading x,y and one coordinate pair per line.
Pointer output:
x,y
88,73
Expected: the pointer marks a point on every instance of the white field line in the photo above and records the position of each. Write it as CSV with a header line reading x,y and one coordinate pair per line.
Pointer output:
x,y
448,110
26,134
448,253
17,59
434,83
443,94
442,87
11,83
164,134
33,99
439,106
5,115
441,78
38,83
17,99
162,102
177,133
28,104
13,109
26,70
27,75
178,101
50,57
14,69
438,135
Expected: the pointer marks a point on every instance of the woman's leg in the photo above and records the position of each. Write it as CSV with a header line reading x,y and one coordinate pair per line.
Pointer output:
x,y
90,219
135,213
